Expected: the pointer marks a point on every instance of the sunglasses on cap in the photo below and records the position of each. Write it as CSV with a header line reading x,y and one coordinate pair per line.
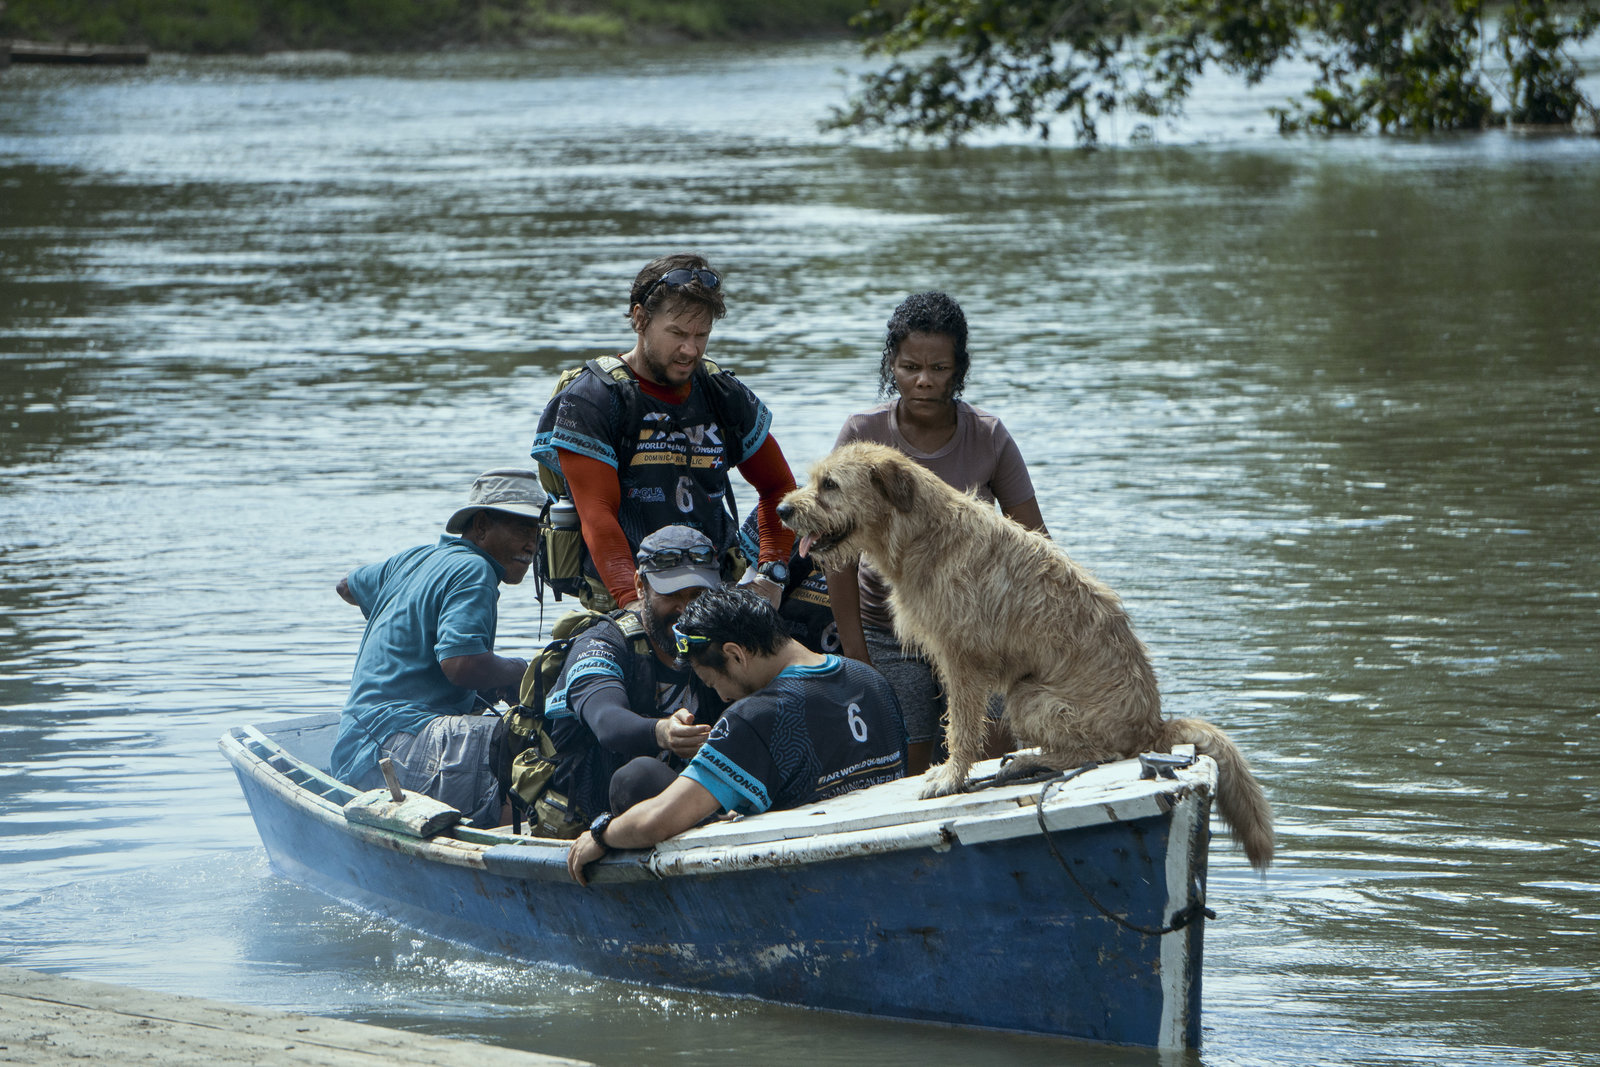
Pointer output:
x,y
680,277
665,558
688,641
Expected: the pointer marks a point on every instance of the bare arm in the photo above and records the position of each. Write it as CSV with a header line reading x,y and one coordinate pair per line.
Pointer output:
x,y
485,670
682,804
343,589
844,596
1027,514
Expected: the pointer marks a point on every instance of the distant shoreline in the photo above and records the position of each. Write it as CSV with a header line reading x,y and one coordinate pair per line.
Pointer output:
x,y
259,27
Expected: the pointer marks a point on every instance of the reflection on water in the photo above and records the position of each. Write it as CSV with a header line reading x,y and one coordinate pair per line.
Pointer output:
x,y
1324,413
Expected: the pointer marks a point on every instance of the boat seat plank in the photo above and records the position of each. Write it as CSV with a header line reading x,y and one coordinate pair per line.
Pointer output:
x,y
415,816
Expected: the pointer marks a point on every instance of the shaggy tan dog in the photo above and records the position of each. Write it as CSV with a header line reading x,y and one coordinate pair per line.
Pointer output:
x,y
999,609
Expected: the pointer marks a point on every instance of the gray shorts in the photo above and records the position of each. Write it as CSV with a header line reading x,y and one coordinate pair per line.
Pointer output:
x,y
449,761
911,678
916,687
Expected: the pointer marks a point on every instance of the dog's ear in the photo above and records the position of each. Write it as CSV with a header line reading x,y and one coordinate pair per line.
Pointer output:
x,y
896,483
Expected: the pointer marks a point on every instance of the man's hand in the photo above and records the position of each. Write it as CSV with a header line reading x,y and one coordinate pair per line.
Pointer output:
x,y
682,804
584,851
678,734
761,585
509,695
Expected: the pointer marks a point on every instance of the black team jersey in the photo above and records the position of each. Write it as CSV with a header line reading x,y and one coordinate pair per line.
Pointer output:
x,y
813,733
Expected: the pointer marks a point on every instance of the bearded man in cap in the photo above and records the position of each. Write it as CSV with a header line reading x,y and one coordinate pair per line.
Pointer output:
x,y
428,650
621,693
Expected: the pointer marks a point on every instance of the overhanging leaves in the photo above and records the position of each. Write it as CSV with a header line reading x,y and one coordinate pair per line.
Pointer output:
x,y
959,66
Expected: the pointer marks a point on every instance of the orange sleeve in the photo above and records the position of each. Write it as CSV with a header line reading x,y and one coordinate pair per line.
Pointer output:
x,y
769,475
597,492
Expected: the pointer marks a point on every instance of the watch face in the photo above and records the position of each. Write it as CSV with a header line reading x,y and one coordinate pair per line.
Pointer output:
x,y
778,572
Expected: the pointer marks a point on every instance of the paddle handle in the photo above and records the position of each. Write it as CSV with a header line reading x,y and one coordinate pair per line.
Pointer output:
x,y
387,767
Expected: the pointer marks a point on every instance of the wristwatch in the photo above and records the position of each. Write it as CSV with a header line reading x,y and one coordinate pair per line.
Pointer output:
x,y
597,829
775,570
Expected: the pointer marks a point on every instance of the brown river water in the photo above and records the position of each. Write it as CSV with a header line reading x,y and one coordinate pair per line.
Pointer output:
x,y
1324,412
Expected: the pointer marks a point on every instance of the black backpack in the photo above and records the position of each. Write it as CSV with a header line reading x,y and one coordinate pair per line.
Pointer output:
x,y
560,563
528,759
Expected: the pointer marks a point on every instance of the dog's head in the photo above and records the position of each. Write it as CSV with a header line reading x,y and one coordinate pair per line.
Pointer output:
x,y
853,494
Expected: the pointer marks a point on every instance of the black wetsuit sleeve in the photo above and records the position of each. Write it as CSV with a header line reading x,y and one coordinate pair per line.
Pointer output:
x,y
604,709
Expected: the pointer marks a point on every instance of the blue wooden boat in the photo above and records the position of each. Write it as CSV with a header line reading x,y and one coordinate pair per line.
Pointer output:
x,y
1047,907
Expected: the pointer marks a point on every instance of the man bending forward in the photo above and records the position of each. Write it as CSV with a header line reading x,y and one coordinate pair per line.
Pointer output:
x,y
802,727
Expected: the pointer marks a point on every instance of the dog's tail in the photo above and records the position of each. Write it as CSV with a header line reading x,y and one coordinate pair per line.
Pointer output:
x,y
1240,801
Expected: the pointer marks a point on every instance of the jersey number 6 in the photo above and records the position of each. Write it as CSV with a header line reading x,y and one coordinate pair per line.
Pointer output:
x,y
858,725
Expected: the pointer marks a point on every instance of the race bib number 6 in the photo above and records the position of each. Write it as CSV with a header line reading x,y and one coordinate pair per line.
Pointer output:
x,y
858,725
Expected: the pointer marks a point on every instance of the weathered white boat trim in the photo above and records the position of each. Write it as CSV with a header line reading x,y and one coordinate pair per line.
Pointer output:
x,y
1175,960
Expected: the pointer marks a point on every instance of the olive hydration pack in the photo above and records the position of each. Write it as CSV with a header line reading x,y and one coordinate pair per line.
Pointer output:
x,y
562,558
530,760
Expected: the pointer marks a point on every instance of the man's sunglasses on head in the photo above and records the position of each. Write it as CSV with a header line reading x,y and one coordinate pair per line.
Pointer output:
x,y
679,277
688,641
664,558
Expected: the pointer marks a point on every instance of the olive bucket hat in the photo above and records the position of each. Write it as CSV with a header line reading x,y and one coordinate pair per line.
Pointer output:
x,y
514,491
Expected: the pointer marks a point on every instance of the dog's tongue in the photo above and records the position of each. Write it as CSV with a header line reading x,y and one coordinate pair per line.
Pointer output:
x,y
805,545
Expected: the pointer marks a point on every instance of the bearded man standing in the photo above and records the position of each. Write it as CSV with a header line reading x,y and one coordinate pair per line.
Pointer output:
x,y
646,439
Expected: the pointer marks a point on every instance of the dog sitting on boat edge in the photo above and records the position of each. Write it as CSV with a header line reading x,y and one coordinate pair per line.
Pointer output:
x,y
996,608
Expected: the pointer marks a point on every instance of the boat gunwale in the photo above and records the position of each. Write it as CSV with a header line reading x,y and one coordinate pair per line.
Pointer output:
x,y
1011,813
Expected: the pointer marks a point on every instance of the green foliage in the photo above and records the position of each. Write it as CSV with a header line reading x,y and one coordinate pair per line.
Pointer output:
x,y
1411,67
1000,63
170,25
956,66
591,28
201,25
691,18
1534,35
366,25
722,19
229,25
383,25
772,18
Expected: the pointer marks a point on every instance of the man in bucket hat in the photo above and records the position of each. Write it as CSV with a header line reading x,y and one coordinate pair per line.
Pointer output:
x,y
621,693
429,648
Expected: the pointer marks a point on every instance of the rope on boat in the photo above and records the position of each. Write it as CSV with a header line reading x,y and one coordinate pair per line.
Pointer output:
x,y
1179,919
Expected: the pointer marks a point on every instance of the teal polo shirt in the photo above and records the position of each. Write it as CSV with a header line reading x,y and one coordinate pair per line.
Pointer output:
x,y
424,605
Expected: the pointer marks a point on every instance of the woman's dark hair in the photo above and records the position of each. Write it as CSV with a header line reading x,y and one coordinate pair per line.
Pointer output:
x,y
675,298
931,312
730,614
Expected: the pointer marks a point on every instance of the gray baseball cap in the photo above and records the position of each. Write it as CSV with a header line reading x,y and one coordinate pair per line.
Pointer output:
x,y
511,490
677,557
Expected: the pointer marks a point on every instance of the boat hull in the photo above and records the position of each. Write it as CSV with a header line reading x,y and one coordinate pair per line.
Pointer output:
x,y
978,932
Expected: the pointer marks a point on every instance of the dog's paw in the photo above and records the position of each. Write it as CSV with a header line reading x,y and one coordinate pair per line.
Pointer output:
x,y
942,781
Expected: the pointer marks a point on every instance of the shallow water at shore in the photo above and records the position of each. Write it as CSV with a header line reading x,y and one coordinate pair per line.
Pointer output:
x,y
1323,412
